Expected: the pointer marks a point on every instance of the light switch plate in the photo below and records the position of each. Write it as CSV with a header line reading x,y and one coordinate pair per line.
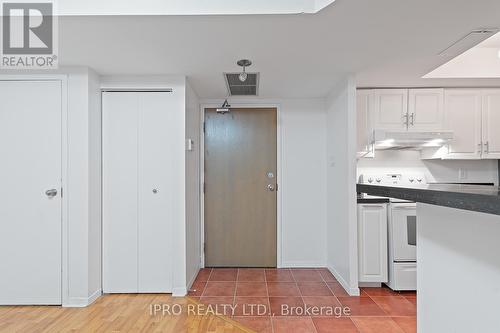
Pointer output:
x,y
189,145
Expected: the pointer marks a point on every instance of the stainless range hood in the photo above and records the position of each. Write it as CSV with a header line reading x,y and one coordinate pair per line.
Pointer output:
x,y
388,139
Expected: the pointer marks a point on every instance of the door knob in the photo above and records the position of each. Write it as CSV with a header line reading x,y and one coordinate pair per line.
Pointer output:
x,y
155,190
270,187
51,193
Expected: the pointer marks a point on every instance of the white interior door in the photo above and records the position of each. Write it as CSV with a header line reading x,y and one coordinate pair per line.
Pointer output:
x,y
120,116
155,190
30,217
137,192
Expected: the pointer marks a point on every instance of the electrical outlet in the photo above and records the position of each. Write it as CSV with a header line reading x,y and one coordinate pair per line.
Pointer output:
x,y
462,174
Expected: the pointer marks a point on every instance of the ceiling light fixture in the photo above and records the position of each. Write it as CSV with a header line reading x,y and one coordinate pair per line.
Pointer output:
x,y
243,63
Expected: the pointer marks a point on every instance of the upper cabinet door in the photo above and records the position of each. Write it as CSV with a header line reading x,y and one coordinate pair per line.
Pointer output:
x,y
364,126
390,109
425,109
463,117
491,120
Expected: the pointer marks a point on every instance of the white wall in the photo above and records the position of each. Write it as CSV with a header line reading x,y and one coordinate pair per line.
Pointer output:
x,y
303,179
303,185
341,185
193,227
83,189
390,161
95,202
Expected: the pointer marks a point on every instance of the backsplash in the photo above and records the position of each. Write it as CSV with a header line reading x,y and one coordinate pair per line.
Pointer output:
x,y
464,171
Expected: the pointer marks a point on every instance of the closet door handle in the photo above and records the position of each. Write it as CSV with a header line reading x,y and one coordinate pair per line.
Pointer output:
x,y
155,190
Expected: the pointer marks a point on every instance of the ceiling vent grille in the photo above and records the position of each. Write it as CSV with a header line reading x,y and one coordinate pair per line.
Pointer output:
x,y
467,42
237,88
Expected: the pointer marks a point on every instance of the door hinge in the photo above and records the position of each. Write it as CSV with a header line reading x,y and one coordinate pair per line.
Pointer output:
x,y
61,192
277,187
204,187
203,127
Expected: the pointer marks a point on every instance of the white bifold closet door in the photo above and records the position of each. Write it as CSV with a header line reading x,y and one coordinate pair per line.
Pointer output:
x,y
137,192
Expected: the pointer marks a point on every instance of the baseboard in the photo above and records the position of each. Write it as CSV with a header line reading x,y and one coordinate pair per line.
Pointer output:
x,y
81,302
343,283
179,292
191,280
302,264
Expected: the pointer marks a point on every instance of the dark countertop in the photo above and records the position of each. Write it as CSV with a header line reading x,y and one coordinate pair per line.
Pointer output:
x,y
484,199
373,200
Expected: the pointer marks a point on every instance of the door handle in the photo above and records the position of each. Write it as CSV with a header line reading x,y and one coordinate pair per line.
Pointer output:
x,y
270,187
51,193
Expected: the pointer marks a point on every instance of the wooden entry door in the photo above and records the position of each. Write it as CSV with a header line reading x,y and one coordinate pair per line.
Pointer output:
x,y
240,187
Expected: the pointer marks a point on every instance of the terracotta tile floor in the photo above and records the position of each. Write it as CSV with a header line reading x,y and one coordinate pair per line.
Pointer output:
x,y
257,297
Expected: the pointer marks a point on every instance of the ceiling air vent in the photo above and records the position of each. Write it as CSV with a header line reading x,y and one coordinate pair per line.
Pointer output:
x,y
250,87
467,42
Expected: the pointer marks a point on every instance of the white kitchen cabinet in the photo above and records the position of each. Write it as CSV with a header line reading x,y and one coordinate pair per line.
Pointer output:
x,y
390,109
364,101
473,115
137,191
372,243
463,117
408,109
490,123
425,109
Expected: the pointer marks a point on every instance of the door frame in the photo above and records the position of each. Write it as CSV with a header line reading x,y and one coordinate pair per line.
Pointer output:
x,y
64,168
279,159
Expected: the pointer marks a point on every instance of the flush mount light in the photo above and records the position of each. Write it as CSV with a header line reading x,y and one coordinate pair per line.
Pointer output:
x,y
243,63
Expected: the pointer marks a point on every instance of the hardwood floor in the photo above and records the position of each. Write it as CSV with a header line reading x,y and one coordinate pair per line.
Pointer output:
x,y
115,313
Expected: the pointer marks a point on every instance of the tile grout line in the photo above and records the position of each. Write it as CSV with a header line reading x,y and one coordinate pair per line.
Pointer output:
x,y
235,288
268,302
206,283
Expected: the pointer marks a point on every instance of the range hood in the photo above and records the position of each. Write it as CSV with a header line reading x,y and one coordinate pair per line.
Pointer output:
x,y
388,139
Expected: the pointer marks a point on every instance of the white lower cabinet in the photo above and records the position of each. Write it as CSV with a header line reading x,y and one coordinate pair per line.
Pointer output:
x,y
137,192
372,243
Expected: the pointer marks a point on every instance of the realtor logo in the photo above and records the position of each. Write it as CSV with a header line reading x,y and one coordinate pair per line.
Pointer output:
x,y
28,35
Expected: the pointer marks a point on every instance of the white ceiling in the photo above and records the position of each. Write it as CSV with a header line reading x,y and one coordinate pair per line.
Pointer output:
x,y
493,41
188,7
384,42
481,61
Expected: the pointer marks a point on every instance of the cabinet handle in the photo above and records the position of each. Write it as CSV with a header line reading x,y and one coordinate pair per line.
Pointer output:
x,y
405,117
412,117
487,147
480,148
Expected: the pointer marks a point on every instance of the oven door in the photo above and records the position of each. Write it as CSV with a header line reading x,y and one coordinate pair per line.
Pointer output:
x,y
403,231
